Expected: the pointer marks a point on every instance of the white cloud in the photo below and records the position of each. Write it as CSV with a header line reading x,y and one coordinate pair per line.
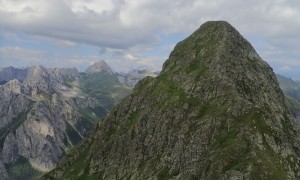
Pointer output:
x,y
127,23
98,7
116,26
285,69
21,56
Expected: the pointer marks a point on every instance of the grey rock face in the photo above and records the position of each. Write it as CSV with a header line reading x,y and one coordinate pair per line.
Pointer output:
x,y
41,80
43,136
10,149
13,104
215,112
3,172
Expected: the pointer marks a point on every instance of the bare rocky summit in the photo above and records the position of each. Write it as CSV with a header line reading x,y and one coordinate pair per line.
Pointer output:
x,y
100,66
215,112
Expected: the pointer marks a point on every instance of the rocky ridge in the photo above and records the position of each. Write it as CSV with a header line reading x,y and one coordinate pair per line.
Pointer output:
x,y
215,112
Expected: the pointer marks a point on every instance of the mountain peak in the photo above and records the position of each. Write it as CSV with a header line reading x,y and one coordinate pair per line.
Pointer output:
x,y
97,67
219,52
207,45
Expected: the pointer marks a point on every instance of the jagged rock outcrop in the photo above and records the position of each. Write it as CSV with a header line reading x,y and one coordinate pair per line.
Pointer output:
x,y
215,112
98,67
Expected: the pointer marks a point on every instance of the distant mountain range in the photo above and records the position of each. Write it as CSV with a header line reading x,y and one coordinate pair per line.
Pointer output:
x,y
289,87
10,73
131,78
44,112
291,90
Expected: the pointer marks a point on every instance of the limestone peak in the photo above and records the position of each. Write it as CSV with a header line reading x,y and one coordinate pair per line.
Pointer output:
x,y
97,67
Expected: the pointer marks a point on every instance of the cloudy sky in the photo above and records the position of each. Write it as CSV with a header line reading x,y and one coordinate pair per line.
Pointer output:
x,y
139,33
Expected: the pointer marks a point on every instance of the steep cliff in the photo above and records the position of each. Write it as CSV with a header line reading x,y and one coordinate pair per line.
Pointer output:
x,y
215,112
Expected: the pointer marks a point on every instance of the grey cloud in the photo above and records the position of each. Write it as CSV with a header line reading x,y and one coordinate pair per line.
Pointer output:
x,y
134,22
21,56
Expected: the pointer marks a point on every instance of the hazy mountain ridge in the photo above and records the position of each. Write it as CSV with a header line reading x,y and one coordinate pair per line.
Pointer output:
x,y
289,87
10,73
131,78
215,112
291,90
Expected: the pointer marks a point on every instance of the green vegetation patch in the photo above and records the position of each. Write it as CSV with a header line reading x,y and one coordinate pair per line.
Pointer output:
x,y
80,167
132,120
267,166
165,174
170,95
111,132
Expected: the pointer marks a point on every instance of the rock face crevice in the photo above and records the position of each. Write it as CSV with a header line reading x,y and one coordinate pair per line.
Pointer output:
x,y
215,112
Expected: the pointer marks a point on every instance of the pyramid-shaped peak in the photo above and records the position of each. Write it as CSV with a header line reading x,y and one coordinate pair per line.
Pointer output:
x,y
213,44
213,28
220,23
97,67
218,50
